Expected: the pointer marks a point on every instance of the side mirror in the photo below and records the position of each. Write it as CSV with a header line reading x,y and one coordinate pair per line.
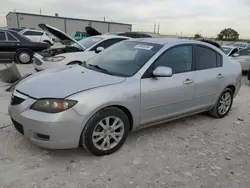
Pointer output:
x,y
162,72
99,49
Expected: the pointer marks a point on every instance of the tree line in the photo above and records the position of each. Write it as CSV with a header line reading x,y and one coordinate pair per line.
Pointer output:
x,y
227,34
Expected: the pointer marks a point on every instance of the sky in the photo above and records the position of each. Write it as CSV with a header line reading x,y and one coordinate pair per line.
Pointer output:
x,y
207,17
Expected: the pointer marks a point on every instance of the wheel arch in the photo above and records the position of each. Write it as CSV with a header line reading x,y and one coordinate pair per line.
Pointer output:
x,y
25,49
128,113
232,87
121,107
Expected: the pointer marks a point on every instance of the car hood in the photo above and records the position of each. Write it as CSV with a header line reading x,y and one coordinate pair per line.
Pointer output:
x,y
63,37
63,82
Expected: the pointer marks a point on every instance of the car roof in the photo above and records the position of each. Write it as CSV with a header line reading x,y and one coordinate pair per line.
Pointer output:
x,y
31,30
163,41
227,46
108,36
174,41
4,30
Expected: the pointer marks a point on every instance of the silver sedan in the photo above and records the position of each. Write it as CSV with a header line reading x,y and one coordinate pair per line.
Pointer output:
x,y
131,85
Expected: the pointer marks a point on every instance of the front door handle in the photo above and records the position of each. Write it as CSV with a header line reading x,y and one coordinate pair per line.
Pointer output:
x,y
188,81
220,76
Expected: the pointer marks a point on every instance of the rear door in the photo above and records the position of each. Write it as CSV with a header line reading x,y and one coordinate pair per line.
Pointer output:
x,y
210,79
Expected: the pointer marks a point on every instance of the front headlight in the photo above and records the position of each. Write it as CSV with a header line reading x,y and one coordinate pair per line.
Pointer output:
x,y
54,59
53,105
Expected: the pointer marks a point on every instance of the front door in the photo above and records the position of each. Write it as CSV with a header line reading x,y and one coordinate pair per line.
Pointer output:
x,y
167,97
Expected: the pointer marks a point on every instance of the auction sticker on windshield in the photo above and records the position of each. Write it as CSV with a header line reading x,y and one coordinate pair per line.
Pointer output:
x,y
144,47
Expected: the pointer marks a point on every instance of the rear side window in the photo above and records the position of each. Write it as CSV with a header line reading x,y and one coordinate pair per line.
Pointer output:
x,y
11,38
2,36
205,58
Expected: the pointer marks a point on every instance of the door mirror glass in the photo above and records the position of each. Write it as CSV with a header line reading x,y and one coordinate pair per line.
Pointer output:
x,y
99,49
162,72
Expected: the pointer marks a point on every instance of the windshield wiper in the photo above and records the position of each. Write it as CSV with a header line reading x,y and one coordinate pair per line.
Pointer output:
x,y
100,68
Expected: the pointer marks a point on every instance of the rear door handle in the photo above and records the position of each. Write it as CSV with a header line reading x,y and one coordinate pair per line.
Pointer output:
x,y
220,76
188,81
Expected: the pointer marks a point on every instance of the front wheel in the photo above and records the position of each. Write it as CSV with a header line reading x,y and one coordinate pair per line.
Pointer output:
x,y
105,132
223,104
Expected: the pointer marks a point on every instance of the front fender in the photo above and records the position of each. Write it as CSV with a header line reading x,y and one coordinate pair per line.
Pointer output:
x,y
125,94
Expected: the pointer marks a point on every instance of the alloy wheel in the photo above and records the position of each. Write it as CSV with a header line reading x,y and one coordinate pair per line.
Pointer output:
x,y
108,133
224,103
24,57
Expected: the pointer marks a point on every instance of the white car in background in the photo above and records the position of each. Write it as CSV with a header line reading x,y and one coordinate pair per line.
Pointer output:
x,y
243,57
38,36
79,51
229,50
240,45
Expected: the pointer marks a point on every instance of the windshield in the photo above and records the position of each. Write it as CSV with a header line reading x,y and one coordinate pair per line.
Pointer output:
x,y
238,44
125,58
88,42
226,50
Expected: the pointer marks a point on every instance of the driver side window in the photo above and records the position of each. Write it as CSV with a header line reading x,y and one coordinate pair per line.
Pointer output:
x,y
179,59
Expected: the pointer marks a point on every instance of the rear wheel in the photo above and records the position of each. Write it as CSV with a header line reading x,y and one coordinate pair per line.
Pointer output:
x,y
105,132
24,57
223,104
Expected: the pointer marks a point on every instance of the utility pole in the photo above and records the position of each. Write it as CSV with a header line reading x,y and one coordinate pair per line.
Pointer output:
x,y
158,28
40,11
104,19
154,27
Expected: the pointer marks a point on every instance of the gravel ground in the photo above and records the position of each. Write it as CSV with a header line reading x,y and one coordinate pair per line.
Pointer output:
x,y
198,151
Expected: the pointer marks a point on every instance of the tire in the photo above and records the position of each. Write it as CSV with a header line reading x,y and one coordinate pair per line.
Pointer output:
x,y
216,110
24,56
90,141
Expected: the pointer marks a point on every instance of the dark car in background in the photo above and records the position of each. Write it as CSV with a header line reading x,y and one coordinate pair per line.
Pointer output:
x,y
18,48
131,34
